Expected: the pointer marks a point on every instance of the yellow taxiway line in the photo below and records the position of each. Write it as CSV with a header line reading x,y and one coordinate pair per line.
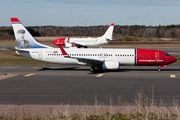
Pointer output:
x,y
172,76
99,75
29,75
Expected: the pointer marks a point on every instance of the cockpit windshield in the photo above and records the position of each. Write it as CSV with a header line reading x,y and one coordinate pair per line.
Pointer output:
x,y
166,55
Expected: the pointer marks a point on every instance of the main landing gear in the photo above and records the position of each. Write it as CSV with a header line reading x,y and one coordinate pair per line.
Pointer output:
x,y
92,69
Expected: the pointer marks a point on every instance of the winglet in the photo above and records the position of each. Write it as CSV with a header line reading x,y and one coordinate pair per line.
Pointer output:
x,y
112,24
70,42
63,52
68,39
73,45
15,20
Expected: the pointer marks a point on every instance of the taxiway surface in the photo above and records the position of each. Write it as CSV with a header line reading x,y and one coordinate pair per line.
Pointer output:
x,y
73,84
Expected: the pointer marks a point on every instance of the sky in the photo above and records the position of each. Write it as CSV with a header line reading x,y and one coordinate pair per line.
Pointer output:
x,y
90,12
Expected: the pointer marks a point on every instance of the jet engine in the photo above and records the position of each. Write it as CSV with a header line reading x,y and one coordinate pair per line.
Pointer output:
x,y
110,65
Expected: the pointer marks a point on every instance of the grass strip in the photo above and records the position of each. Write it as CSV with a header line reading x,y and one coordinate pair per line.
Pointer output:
x,y
19,61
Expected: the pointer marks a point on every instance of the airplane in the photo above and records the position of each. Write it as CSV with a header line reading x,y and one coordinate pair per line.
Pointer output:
x,y
97,58
84,42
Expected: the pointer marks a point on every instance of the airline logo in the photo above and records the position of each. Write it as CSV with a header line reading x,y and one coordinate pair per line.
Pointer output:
x,y
55,51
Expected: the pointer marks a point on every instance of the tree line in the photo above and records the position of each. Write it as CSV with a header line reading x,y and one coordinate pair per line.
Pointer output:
x,y
169,31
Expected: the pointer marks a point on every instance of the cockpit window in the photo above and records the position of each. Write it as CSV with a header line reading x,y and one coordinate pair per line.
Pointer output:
x,y
166,55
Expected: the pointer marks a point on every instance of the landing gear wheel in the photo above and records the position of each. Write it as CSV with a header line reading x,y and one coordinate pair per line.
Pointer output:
x,y
159,69
92,69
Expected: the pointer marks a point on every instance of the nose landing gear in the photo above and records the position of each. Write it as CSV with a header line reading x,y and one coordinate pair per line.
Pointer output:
x,y
159,67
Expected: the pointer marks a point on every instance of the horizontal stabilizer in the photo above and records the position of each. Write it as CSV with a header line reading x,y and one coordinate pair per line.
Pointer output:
x,y
116,38
14,49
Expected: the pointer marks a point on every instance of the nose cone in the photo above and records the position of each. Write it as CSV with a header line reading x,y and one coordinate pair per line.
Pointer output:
x,y
173,59
60,41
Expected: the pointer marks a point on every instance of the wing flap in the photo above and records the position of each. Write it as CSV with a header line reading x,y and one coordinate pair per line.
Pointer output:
x,y
89,60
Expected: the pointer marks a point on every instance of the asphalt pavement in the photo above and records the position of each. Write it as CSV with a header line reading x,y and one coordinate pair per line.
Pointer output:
x,y
73,84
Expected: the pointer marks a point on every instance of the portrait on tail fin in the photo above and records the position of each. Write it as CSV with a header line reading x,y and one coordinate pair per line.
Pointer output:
x,y
21,42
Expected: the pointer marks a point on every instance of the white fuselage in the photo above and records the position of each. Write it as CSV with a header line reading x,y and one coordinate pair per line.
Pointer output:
x,y
54,55
86,41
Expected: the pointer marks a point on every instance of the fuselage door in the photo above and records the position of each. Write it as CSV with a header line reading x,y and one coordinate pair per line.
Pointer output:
x,y
156,56
40,54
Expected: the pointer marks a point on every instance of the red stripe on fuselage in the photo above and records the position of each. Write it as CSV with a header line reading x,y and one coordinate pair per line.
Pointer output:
x,y
146,57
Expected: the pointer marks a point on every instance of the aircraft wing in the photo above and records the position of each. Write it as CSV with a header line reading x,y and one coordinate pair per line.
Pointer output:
x,y
79,43
80,59
76,43
89,61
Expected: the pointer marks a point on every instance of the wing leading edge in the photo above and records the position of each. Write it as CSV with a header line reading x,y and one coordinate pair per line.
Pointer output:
x,y
80,59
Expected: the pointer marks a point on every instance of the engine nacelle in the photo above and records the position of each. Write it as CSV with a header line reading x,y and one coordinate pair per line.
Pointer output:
x,y
110,65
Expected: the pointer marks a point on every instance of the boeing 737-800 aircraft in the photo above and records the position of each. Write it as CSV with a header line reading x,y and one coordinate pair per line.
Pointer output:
x,y
106,59
84,42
